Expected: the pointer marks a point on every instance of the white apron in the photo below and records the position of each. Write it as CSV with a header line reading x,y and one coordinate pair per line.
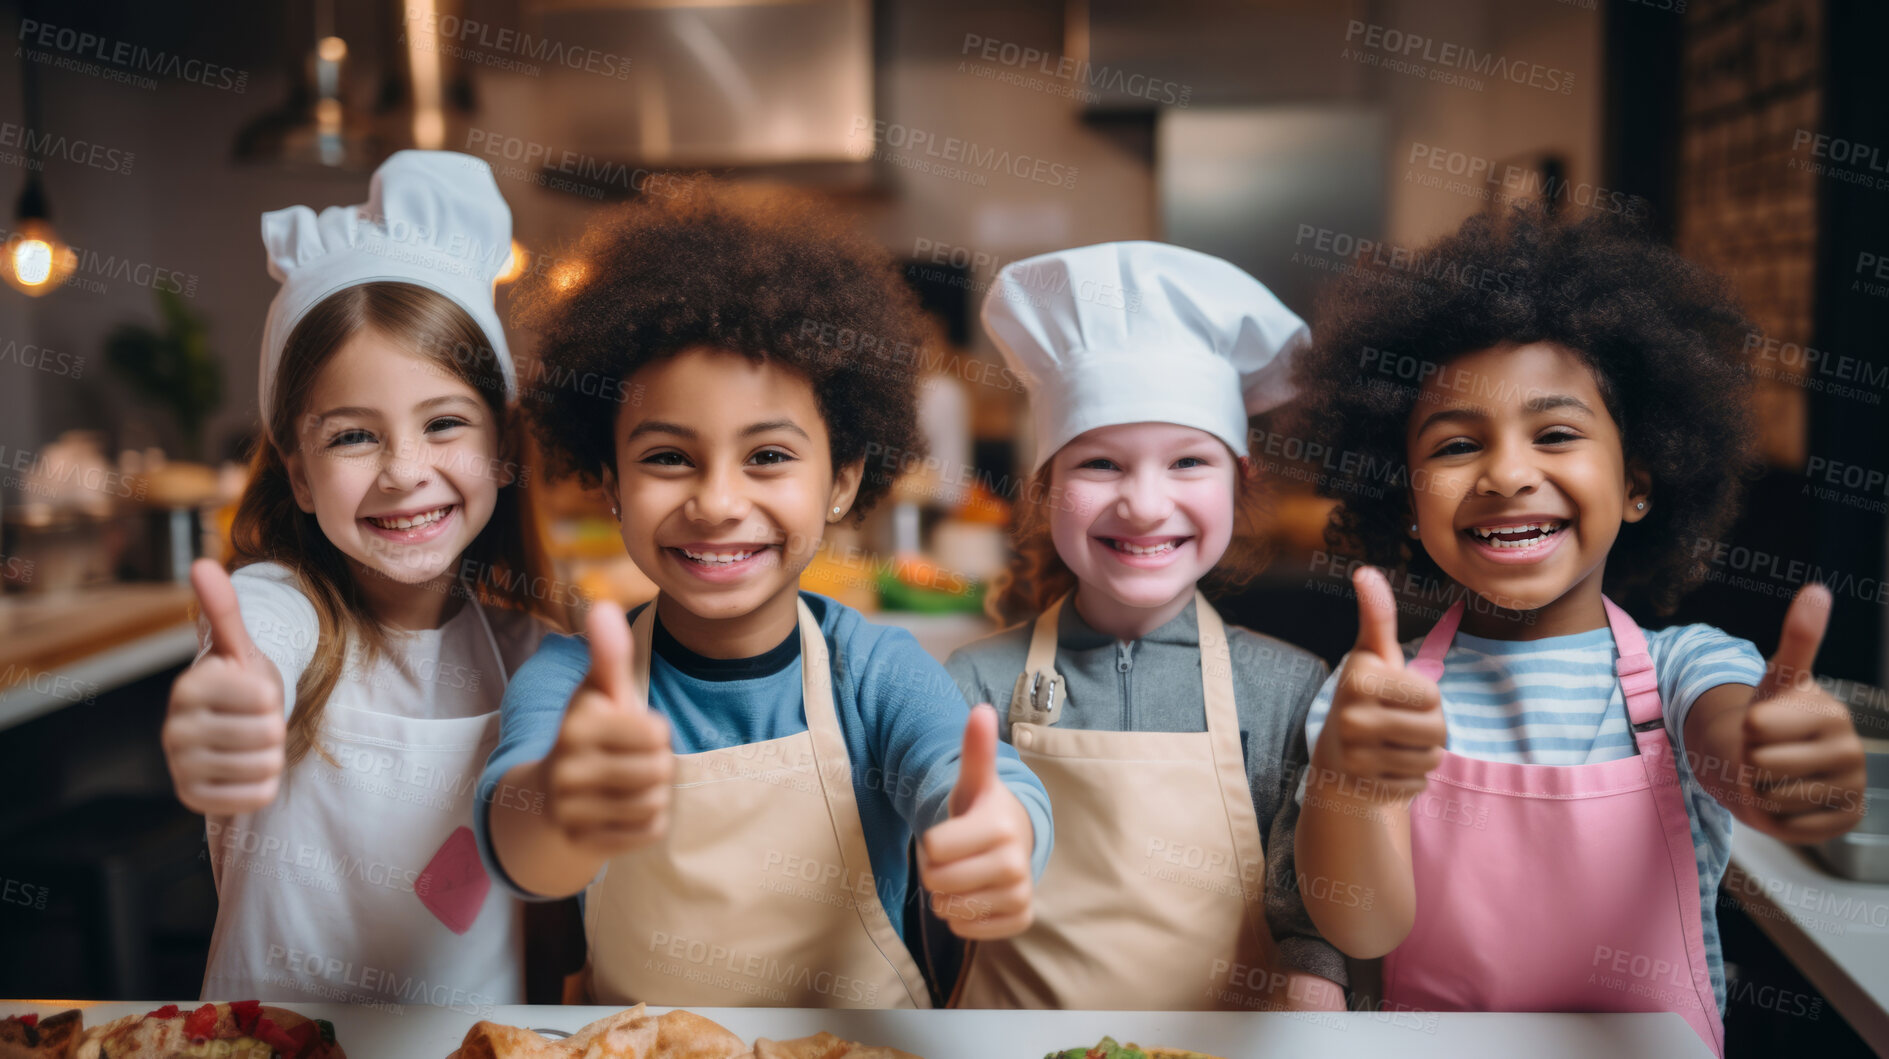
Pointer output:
x,y
761,892
1154,894
362,883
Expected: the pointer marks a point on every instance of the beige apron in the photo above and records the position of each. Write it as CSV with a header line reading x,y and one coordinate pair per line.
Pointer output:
x,y
1153,898
761,893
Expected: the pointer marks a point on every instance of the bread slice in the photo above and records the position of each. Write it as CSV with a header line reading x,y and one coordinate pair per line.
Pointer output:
x,y
54,1037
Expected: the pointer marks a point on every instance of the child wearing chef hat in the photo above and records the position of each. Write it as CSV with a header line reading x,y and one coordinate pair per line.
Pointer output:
x,y
377,599
1164,737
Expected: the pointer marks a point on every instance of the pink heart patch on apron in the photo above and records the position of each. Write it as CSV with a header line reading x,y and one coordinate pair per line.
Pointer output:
x,y
454,884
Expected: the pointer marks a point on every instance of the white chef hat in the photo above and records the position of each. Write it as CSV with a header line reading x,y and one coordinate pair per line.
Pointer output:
x,y
432,218
1141,332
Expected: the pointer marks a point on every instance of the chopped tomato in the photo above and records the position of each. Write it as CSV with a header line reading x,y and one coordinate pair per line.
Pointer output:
x,y
31,1018
246,1012
274,1036
201,1022
168,1011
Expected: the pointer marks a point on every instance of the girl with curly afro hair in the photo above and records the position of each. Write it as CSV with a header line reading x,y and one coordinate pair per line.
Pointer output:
x,y
727,363
1536,410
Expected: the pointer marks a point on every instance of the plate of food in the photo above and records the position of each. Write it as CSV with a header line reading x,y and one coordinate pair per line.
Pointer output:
x,y
1109,1049
634,1033
243,1029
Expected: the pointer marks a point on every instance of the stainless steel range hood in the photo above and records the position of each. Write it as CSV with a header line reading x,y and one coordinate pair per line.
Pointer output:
x,y
708,83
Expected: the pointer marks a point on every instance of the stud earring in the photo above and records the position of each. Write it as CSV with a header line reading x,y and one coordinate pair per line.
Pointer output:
x,y
836,512
1413,529
1641,506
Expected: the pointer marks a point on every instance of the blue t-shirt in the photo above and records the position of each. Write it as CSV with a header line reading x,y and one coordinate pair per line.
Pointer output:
x,y
899,711
1557,701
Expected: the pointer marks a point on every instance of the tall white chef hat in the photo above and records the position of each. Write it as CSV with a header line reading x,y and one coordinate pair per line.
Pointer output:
x,y
1141,332
432,218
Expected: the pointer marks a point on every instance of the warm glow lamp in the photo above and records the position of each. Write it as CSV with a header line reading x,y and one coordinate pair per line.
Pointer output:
x,y
35,259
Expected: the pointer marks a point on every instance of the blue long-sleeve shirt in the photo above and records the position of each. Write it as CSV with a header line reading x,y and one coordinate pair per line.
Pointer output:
x,y
901,715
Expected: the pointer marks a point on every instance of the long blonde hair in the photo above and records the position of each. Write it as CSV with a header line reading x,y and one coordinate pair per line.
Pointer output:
x,y
1037,576
270,527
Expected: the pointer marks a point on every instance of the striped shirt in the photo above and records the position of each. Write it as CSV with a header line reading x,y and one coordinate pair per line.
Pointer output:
x,y
1556,701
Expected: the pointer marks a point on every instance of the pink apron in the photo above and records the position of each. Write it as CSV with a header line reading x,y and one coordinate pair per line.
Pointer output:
x,y
1557,887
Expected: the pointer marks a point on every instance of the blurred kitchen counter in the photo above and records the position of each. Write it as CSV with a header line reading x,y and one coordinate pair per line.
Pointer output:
x,y
1835,930
61,649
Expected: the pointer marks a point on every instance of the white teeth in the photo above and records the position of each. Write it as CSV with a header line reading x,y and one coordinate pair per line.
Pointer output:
x,y
1536,532
409,522
717,558
1136,549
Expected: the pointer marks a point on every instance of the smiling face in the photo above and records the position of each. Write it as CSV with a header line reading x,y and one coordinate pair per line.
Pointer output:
x,y
1520,482
397,459
1141,512
726,484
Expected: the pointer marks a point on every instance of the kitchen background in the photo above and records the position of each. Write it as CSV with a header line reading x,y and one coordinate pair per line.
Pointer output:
x,y
1294,137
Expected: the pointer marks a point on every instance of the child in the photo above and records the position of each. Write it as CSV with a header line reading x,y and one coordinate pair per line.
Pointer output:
x,y
1578,421
1172,885
377,601
738,773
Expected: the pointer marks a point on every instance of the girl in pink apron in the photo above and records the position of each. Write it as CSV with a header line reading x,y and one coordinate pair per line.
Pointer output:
x,y
382,590
1538,793
1164,737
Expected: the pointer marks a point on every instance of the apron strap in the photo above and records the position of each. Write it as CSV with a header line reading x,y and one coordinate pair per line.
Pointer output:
x,y
1638,683
1037,697
833,764
472,597
1429,661
1635,667
1236,795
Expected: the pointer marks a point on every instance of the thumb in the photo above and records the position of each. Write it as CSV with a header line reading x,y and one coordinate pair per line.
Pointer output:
x,y
609,634
1797,645
217,599
977,766
1377,616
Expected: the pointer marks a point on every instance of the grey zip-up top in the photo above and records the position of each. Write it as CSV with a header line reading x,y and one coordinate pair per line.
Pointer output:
x,y
1154,685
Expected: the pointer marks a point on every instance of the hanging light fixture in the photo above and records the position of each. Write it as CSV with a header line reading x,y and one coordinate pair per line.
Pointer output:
x,y
315,126
35,260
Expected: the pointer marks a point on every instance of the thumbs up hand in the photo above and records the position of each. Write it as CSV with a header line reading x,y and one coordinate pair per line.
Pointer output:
x,y
1386,724
607,779
977,864
1803,761
224,732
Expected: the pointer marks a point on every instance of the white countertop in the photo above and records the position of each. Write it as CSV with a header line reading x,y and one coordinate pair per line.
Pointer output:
x,y
1836,931
423,1033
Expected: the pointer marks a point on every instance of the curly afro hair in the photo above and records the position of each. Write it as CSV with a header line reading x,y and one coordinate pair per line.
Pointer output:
x,y
706,264
1663,337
